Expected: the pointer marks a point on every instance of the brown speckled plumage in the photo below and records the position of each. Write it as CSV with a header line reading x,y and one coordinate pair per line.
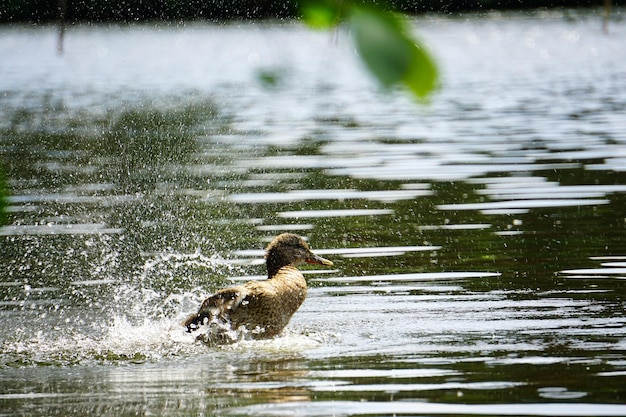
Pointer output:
x,y
263,307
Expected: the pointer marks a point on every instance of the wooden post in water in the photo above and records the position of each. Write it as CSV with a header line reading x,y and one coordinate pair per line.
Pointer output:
x,y
62,9
608,4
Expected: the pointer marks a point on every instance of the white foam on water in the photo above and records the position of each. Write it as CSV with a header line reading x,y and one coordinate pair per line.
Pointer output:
x,y
124,339
126,319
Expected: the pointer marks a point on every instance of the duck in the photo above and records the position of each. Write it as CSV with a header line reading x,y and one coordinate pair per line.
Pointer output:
x,y
261,308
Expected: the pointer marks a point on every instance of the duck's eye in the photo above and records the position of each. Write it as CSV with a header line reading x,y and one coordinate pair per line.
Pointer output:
x,y
301,250
297,245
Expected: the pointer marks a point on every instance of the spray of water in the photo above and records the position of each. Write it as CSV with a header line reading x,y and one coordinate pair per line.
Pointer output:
x,y
139,320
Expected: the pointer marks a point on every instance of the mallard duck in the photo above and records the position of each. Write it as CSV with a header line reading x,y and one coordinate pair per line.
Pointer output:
x,y
263,307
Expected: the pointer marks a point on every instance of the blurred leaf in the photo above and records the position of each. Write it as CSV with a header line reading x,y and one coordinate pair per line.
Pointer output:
x,y
270,77
390,53
322,14
422,75
383,41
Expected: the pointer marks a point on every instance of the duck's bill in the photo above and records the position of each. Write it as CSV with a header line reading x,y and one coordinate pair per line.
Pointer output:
x,y
314,259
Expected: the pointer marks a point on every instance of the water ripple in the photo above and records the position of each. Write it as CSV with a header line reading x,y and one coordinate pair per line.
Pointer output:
x,y
366,408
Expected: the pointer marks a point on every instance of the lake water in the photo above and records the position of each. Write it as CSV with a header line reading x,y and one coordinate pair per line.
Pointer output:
x,y
479,240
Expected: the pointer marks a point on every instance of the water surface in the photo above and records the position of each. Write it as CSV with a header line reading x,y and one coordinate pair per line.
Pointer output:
x,y
478,240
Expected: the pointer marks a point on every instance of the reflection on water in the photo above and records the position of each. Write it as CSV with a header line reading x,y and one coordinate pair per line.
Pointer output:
x,y
324,408
478,241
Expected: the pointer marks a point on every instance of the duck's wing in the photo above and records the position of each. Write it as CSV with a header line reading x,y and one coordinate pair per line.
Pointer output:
x,y
219,305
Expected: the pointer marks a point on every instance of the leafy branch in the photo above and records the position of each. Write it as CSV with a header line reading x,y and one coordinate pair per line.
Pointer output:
x,y
383,41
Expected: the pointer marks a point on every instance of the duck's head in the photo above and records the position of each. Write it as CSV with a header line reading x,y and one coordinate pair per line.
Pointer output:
x,y
290,249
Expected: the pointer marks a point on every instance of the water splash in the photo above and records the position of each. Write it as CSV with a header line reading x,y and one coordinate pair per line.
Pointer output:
x,y
137,319
141,320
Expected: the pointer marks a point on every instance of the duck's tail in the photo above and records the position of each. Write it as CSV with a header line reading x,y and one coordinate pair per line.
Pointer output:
x,y
216,307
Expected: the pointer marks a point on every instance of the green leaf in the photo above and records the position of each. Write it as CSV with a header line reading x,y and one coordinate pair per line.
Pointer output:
x,y
322,14
390,53
270,77
422,75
